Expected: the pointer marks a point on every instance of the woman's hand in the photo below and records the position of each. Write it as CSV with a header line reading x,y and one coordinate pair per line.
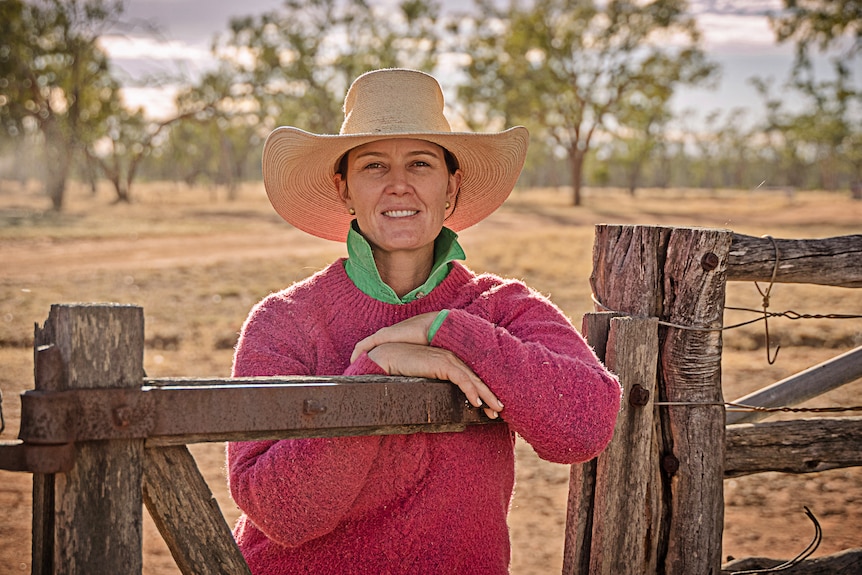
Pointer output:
x,y
422,360
413,330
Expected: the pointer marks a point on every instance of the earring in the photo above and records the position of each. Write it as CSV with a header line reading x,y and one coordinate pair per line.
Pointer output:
x,y
447,205
351,211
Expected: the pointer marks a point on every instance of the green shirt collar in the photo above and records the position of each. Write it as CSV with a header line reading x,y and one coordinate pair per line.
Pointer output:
x,y
361,269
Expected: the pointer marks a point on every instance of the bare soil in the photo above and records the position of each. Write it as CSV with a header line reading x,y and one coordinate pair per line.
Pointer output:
x,y
197,263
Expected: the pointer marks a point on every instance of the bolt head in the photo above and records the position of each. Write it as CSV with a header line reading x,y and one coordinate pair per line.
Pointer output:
x,y
638,395
670,464
122,416
709,261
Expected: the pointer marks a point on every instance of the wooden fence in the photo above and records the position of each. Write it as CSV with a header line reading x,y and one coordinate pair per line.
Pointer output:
x,y
102,440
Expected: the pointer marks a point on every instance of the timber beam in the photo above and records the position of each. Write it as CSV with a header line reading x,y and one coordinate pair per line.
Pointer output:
x,y
181,411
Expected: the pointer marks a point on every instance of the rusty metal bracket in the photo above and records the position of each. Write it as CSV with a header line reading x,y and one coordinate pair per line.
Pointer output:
x,y
56,417
18,456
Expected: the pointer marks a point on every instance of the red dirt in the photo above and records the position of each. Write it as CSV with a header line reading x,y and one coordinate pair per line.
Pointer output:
x,y
763,515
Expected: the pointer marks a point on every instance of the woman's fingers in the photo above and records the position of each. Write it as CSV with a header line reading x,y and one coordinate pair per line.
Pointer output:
x,y
423,361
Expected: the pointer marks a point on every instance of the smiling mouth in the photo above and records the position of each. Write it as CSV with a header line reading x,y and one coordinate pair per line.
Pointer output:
x,y
400,213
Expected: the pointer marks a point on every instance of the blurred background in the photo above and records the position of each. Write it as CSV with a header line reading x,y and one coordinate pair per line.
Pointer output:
x,y
624,93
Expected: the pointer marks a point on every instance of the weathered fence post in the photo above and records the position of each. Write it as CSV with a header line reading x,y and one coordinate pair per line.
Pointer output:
x,y
677,275
89,520
601,497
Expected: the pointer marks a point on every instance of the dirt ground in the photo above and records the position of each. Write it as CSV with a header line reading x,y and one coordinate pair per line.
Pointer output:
x,y
188,260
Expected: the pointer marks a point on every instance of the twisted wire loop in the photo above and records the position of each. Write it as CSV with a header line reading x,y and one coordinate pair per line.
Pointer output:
x,y
805,554
770,358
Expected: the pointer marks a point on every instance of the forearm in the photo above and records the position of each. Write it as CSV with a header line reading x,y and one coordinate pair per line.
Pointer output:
x,y
557,395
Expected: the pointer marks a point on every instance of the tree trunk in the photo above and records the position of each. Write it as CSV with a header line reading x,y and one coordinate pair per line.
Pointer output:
x,y
634,177
576,159
120,188
59,159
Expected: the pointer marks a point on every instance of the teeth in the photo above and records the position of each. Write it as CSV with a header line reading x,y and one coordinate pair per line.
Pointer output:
x,y
400,213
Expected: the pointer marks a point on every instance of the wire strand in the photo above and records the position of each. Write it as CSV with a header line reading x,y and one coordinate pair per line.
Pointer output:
x,y
805,554
732,406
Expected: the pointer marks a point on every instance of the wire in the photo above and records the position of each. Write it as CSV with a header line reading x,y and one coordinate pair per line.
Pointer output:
x,y
805,554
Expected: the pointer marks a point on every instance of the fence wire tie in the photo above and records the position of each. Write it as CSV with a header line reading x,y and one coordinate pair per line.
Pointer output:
x,y
770,357
805,554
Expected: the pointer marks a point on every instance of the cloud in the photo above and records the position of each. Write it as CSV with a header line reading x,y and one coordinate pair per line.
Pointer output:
x,y
157,102
736,33
137,47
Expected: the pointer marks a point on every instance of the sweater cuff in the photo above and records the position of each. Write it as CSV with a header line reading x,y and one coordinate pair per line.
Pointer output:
x,y
364,365
435,325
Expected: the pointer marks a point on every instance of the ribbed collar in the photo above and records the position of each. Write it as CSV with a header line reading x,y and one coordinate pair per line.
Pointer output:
x,y
362,270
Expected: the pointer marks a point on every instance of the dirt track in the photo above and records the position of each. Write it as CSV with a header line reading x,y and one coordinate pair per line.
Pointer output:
x,y
763,513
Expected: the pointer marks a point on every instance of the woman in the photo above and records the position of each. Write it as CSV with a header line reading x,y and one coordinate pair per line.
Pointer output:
x,y
401,304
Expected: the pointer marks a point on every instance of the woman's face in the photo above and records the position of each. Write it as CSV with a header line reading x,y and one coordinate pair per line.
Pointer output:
x,y
398,189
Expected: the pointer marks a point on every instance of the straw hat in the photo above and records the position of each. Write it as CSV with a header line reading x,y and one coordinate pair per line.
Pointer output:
x,y
298,166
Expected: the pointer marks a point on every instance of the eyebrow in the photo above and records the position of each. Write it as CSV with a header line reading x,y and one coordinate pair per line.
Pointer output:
x,y
373,153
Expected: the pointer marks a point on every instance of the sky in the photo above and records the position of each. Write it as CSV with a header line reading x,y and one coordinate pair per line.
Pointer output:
x,y
736,35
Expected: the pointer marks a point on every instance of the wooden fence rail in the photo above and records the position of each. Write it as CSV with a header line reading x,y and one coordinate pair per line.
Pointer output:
x,y
828,261
102,440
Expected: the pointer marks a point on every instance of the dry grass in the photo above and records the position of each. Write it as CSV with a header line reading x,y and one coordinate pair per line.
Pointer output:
x,y
196,263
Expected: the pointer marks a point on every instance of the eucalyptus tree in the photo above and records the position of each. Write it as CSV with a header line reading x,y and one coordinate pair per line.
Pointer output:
x,y
54,78
827,130
641,123
823,23
566,68
294,64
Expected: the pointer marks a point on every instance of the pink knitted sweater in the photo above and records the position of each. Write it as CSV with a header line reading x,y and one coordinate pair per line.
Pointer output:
x,y
422,503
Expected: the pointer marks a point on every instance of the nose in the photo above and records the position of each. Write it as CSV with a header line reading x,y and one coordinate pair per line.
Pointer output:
x,y
398,182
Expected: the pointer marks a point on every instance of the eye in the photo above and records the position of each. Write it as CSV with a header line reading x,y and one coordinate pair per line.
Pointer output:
x,y
373,166
421,164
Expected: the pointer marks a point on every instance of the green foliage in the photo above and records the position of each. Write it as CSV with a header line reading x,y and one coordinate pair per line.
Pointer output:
x,y
290,66
304,55
824,23
569,70
54,78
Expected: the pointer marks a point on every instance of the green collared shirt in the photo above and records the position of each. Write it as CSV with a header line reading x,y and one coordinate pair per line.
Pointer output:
x,y
362,270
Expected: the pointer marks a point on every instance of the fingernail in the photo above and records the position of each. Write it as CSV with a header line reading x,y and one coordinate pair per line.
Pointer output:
x,y
478,402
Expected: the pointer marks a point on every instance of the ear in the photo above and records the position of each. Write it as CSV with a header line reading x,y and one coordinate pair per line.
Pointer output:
x,y
454,187
340,184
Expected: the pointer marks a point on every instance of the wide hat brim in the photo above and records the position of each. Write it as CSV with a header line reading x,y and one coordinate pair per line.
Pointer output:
x,y
298,170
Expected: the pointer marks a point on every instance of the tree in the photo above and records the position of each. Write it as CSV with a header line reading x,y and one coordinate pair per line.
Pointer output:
x,y
129,138
294,65
642,121
822,22
566,68
54,79
829,126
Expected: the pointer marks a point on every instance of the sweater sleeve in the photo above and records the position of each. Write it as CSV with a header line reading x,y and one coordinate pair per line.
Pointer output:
x,y
557,394
293,490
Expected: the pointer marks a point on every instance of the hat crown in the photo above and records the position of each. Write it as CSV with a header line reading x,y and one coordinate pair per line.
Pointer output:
x,y
394,101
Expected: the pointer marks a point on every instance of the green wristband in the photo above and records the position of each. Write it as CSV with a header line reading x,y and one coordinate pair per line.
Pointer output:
x,y
435,325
